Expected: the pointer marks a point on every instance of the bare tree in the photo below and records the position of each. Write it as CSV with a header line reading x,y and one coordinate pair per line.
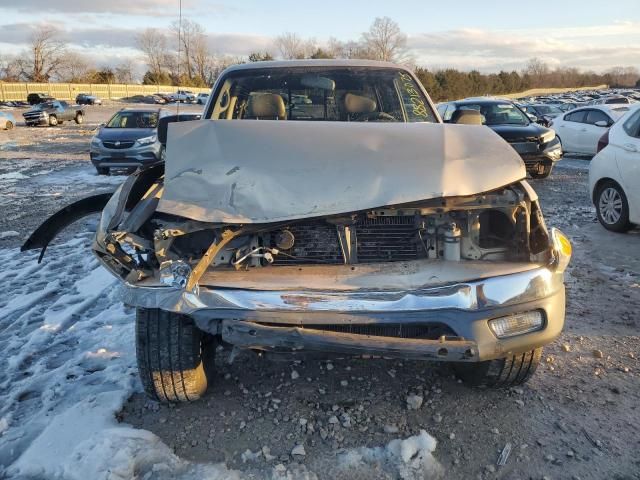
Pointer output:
x,y
124,72
46,55
385,41
201,57
9,69
73,68
153,43
538,71
623,76
189,35
292,46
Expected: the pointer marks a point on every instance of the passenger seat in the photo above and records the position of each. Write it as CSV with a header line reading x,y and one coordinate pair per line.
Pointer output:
x,y
358,104
265,106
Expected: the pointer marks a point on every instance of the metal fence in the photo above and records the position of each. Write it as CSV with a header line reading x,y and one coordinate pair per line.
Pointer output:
x,y
69,91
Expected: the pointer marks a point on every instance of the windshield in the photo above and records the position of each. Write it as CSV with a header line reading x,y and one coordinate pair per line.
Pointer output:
x,y
43,106
329,94
134,120
498,113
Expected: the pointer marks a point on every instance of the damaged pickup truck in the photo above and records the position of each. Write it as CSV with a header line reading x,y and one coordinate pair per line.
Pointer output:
x,y
344,218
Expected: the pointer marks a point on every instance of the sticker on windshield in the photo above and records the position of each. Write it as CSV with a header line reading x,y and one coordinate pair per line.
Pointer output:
x,y
409,90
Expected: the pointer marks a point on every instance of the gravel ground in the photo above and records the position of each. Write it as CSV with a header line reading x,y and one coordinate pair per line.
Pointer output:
x,y
576,419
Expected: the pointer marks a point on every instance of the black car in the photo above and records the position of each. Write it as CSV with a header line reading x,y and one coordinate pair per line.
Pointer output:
x,y
37,98
87,99
537,145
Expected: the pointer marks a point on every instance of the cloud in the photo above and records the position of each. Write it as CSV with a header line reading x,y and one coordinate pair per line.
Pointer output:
x,y
95,41
586,48
154,8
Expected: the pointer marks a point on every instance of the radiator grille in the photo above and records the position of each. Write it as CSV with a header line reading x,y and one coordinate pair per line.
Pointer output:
x,y
379,239
315,243
118,144
386,239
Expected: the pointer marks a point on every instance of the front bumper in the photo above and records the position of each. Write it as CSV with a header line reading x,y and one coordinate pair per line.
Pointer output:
x,y
285,318
103,157
36,120
548,155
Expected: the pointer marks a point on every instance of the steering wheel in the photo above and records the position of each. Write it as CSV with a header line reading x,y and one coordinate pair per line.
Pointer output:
x,y
377,117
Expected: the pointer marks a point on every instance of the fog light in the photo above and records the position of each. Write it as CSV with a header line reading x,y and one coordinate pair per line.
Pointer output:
x,y
518,324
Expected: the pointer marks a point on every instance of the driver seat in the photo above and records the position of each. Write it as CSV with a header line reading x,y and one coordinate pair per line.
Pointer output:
x,y
356,105
266,106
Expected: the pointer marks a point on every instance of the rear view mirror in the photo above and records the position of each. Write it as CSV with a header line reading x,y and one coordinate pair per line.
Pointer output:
x,y
163,123
601,123
315,81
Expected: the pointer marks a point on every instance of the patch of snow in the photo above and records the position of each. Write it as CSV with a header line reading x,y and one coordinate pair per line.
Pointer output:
x,y
68,356
409,459
85,175
13,176
9,234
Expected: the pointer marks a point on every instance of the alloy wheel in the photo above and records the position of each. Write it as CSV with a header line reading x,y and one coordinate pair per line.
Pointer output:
x,y
610,205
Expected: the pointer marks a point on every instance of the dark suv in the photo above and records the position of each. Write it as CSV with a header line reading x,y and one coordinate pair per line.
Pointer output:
x,y
36,98
537,146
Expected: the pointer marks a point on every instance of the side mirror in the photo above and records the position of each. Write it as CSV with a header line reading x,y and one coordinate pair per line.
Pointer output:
x,y
532,117
163,123
601,123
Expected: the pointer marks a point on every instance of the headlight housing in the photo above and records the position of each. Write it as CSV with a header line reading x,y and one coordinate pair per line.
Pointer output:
x,y
147,140
562,250
548,136
96,142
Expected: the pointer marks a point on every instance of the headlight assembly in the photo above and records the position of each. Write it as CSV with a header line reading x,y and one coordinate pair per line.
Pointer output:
x,y
548,136
147,140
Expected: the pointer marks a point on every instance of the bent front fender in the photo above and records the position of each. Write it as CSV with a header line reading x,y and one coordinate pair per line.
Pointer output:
x,y
60,220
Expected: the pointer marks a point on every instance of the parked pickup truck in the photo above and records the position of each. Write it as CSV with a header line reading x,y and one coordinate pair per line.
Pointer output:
x,y
53,113
182,96
365,226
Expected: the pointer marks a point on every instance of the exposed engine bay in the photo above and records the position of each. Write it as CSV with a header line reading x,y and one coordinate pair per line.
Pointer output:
x,y
503,225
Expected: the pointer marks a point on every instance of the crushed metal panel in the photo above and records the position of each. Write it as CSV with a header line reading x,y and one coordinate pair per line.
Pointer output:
x,y
266,171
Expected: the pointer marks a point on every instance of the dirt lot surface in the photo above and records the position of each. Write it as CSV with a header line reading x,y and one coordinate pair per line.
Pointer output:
x,y
578,418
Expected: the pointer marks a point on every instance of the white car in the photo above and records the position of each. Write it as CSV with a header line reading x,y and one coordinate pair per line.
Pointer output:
x,y
579,130
202,98
614,174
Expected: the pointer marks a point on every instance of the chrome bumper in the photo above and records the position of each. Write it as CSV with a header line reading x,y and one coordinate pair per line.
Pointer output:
x,y
463,307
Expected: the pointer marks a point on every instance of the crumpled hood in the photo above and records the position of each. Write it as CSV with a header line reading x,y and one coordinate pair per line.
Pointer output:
x,y
254,171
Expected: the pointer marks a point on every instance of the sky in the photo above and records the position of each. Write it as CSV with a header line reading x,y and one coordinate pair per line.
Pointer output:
x,y
488,35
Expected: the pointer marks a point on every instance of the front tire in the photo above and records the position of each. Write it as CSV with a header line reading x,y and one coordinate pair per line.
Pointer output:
x,y
79,118
9,125
53,120
501,372
171,353
612,207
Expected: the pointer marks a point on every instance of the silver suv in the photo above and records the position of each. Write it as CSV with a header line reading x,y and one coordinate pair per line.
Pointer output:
x,y
128,140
